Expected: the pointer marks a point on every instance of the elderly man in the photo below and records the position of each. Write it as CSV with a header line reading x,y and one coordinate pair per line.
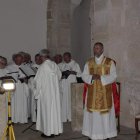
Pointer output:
x,y
99,115
19,111
75,71
58,59
38,61
13,59
3,69
3,73
48,97
30,84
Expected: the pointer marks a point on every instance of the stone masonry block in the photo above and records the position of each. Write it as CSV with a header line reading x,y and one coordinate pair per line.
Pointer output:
x,y
77,90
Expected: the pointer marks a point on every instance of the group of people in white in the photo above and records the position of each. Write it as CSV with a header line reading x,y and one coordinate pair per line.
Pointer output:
x,y
46,98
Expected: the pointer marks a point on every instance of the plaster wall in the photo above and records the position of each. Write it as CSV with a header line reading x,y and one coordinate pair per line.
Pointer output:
x,y
22,26
116,24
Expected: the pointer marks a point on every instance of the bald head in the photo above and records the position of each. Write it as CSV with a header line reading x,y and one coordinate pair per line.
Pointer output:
x,y
19,59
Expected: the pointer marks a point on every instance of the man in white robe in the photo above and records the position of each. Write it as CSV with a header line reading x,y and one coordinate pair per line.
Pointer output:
x,y
96,124
19,109
3,73
30,84
75,71
13,59
48,97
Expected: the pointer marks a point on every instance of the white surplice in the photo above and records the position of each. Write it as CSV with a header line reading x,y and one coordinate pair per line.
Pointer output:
x,y
66,88
98,126
3,72
33,100
48,99
19,109
11,63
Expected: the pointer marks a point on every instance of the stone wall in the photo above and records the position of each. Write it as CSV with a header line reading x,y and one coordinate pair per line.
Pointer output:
x,y
58,26
77,90
116,24
81,33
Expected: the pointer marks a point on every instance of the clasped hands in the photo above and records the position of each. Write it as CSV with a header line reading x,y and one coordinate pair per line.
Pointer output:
x,y
96,77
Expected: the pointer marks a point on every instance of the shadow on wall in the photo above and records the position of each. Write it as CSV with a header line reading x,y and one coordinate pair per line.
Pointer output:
x,y
81,33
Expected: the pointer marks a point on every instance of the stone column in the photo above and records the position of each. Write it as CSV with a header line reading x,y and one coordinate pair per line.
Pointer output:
x,y
77,90
2,114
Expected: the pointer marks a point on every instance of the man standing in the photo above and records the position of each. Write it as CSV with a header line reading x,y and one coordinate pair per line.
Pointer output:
x,y
13,59
38,61
48,97
58,59
99,114
19,110
30,84
75,71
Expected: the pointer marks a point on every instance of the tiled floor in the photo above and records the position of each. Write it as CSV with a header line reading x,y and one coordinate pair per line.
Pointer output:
x,y
68,134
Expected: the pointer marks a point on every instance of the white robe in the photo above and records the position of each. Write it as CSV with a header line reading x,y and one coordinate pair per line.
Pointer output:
x,y
98,126
11,62
66,88
3,72
32,97
48,99
19,109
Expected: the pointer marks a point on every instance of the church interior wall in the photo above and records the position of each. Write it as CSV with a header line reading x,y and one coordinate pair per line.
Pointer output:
x,y
22,26
58,26
81,33
116,24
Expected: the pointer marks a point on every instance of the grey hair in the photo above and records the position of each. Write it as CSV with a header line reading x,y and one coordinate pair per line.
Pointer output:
x,y
59,55
22,53
3,58
14,55
44,53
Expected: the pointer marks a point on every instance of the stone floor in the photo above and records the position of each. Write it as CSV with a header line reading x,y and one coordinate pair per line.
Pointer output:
x,y
68,134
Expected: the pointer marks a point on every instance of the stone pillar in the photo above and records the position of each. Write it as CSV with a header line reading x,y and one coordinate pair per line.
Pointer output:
x,y
2,114
77,90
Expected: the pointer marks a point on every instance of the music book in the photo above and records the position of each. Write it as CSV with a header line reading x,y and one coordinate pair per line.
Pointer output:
x,y
29,71
66,73
13,74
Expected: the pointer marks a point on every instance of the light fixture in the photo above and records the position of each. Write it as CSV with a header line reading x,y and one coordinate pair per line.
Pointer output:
x,y
8,83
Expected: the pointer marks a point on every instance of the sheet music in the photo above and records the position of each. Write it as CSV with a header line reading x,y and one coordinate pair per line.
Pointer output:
x,y
34,69
13,74
28,71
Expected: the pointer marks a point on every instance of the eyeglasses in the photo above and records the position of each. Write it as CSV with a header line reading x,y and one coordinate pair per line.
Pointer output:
x,y
4,64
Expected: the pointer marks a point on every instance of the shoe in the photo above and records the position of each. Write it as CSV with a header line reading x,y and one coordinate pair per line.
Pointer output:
x,y
44,136
57,135
89,139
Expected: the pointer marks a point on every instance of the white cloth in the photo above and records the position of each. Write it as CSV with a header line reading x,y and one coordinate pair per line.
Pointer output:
x,y
98,126
48,99
35,65
33,101
66,88
3,72
19,109
11,62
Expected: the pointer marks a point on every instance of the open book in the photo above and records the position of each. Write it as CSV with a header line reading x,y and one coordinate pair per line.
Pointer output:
x,y
29,71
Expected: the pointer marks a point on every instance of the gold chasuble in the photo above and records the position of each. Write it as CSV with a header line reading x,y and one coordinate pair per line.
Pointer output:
x,y
99,97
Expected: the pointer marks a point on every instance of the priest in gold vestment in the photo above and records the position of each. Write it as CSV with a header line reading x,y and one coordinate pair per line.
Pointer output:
x,y
99,115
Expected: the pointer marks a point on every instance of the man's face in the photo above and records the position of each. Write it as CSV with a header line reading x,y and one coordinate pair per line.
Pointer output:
x,y
58,59
38,60
67,58
24,59
19,60
3,63
98,50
